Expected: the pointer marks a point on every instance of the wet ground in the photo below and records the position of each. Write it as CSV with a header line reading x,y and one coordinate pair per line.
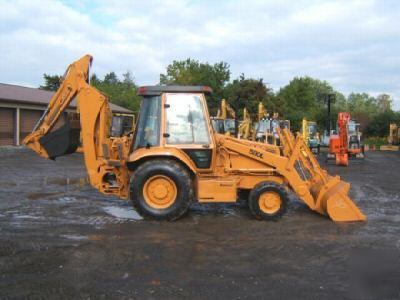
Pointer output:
x,y
60,238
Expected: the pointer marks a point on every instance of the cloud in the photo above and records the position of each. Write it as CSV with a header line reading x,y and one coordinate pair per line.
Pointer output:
x,y
354,45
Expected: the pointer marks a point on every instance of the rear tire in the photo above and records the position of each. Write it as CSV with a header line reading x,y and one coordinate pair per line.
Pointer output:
x,y
268,201
161,189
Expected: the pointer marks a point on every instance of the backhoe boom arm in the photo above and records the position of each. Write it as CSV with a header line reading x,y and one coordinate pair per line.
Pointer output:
x,y
104,157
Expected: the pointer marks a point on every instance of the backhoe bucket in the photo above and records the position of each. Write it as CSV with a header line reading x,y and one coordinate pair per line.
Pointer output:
x,y
333,200
64,140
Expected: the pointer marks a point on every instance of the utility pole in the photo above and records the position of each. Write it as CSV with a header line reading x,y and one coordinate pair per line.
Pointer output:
x,y
329,98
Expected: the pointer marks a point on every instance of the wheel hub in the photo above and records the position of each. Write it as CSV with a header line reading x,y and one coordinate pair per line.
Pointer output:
x,y
270,202
159,191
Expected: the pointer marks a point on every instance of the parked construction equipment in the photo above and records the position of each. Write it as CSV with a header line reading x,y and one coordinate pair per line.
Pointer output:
x,y
225,121
267,128
174,156
347,142
310,135
394,134
245,128
263,127
393,138
122,124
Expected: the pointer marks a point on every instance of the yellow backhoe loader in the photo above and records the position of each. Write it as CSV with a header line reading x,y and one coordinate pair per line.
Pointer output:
x,y
267,128
393,138
394,134
310,135
224,122
245,127
174,157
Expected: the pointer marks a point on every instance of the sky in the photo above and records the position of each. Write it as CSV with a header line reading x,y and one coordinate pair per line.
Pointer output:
x,y
354,45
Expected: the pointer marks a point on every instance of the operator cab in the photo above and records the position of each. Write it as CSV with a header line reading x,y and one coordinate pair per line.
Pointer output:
x,y
176,116
354,138
312,129
122,124
223,126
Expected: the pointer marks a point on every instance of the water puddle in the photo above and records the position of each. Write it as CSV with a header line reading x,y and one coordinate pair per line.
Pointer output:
x,y
74,237
38,196
28,217
66,199
122,212
67,181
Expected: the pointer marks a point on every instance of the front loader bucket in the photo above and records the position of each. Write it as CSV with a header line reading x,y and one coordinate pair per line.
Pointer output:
x,y
333,200
64,140
327,195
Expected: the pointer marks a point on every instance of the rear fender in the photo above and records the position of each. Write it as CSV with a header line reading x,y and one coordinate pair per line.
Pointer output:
x,y
143,154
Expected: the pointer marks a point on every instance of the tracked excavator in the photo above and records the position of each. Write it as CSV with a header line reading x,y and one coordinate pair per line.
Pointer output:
x,y
347,143
174,156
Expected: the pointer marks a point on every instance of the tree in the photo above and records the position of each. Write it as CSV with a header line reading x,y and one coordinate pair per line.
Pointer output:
x,y
51,82
121,92
250,92
192,72
362,107
384,103
302,98
379,125
111,79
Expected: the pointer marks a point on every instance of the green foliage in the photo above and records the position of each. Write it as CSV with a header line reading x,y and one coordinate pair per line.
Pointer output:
x,y
376,141
121,92
373,114
192,72
379,125
51,82
362,107
249,92
303,98
384,103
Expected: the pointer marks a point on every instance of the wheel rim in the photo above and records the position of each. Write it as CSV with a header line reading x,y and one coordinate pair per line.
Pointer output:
x,y
270,202
159,191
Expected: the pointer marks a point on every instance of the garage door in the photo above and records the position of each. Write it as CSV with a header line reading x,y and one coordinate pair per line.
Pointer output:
x,y
6,126
28,119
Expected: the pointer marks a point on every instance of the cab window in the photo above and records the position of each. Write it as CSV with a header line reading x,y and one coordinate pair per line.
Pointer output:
x,y
148,126
186,122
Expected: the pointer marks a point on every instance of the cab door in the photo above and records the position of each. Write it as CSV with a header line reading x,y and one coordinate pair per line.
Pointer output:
x,y
187,127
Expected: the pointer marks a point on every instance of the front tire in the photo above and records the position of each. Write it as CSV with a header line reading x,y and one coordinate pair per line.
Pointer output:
x,y
161,189
268,201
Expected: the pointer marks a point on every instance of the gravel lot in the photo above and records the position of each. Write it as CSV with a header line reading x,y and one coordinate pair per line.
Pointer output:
x,y
60,238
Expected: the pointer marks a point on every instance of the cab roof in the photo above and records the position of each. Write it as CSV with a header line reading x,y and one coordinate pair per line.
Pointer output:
x,y
156,90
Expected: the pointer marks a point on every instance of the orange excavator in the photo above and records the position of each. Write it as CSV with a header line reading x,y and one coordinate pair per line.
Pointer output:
x,y
174,156
347,142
